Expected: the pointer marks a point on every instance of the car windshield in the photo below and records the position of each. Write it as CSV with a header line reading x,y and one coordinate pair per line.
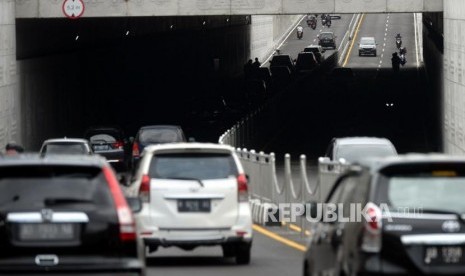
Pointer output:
x,y
326,36
106,138
193,165
423,192
43,186
311,50
160,136
65,148
367,41
353,153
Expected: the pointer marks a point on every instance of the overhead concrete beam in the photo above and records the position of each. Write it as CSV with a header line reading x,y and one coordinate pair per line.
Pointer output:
x,y
112,8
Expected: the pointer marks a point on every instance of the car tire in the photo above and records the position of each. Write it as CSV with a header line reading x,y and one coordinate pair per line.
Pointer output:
x,y
228,251
243,251
359,54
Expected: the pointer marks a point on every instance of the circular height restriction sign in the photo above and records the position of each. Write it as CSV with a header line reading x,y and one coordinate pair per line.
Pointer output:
x,y
73,9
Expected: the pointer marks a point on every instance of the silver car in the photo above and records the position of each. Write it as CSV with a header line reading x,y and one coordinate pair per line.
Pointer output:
x,y
367,46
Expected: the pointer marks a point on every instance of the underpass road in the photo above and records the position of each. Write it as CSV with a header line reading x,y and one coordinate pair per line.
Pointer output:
x,y
269,258
384,28
293,46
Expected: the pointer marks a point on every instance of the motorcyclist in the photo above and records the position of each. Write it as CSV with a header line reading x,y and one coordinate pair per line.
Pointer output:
x,y
398,41
300,31
311,21
395,60
402,53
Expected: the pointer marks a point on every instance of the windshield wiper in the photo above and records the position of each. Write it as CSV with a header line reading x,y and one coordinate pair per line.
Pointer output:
x,y
443,212
59,201
188,178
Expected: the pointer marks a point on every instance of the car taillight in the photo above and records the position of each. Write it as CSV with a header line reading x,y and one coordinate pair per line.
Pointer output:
x,y
242,189
127,225
371,240
118,145
144,189
135,150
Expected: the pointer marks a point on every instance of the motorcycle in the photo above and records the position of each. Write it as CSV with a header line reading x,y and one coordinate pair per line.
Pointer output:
x,y
398,42
403,59
311,24
328,23
300,34
323,21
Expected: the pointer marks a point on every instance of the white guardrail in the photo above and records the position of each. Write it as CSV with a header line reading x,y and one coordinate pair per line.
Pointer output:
x,y
266,191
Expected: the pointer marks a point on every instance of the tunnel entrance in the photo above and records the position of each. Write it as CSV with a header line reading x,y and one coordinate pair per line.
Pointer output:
x,y
134,72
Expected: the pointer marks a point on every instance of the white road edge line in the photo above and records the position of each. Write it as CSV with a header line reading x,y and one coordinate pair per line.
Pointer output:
x,y
416,38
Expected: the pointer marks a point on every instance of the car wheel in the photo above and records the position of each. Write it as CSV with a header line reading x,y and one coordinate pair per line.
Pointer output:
x,y
228,251
375,54
359,54
243,253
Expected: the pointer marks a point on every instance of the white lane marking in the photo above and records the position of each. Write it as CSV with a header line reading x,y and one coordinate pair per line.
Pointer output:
x,y
384,45
416,38
382,55
381,62
386,30
384,49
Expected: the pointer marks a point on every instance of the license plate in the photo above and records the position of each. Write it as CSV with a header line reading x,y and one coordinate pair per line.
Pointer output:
x,y
194,205
100,147
444,255
47,232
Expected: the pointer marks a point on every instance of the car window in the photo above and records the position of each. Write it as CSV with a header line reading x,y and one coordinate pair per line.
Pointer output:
x,y
102,138
368,41
158,136
193,165
353,153
425,192
117,134
326,36
48,185
65,148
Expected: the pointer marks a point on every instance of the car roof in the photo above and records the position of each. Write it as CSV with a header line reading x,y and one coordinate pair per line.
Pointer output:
x,y
29,159
94,128
327,33
66,140
379,163
313,46
362,141
160,127
189,146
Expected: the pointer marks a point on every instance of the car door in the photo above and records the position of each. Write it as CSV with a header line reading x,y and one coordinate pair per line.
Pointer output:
x,y
322,256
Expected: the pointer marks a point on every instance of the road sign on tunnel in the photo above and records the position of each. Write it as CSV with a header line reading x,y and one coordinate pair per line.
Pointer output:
x,y
73,9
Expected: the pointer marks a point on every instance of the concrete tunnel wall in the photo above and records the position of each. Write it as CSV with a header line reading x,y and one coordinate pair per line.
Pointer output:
x,y
52,85
10,120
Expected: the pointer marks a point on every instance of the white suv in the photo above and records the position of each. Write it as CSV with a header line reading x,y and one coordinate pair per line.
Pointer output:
x,y
194,194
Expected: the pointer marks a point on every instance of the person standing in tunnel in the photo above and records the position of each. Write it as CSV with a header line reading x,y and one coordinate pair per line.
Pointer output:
x,y
248,69
12,148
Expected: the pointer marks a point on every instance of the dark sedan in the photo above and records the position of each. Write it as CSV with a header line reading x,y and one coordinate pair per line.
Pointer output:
x,y
412,219
327,40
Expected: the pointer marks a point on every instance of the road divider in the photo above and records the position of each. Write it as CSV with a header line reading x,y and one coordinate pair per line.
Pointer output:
x,y
352,39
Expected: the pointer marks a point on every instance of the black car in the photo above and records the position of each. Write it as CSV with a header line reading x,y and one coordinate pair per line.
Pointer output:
x,y
111,143
66,214
413,225
155,134
327,40
282,60
306,61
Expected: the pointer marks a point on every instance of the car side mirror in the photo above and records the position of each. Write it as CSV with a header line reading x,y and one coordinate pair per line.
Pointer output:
x,y
122,178
324,51
135,204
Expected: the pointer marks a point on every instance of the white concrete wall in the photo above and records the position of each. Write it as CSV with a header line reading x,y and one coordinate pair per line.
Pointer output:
x,y
9,87
107,8
454,76
267,31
